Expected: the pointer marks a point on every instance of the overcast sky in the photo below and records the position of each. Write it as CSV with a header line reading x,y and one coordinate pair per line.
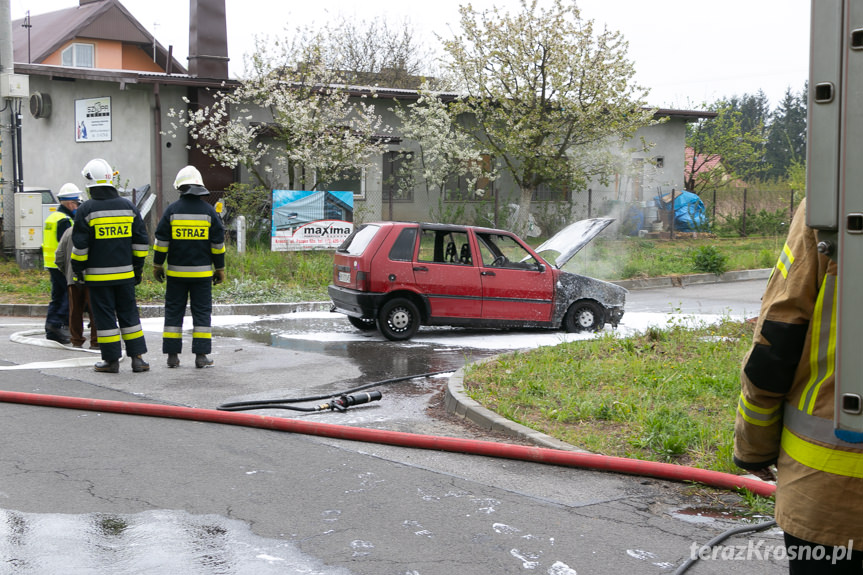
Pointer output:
x,y
687,52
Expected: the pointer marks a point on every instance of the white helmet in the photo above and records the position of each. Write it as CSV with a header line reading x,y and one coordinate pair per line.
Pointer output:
x,y
98,172
188,176
69,192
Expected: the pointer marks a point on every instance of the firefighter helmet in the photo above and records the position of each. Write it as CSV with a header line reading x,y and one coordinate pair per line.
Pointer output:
x,y
188,176
98,172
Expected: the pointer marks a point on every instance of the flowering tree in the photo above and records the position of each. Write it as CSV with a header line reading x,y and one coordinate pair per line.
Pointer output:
x,y
548,94
290,122
445,153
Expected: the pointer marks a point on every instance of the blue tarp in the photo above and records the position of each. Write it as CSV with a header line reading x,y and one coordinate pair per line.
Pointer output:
x,y
689,212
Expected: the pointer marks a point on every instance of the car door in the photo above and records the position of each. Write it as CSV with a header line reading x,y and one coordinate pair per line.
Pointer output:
x,y
515,285
446,273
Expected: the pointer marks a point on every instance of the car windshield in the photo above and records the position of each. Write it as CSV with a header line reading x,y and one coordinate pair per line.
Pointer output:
x,y
358,241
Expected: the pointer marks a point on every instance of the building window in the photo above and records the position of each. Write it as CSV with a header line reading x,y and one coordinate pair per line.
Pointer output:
x,y
464,189
398,182
552,192
660,162
351,181
80,56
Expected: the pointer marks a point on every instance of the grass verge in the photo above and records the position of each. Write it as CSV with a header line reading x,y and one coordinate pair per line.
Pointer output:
x,y
668,394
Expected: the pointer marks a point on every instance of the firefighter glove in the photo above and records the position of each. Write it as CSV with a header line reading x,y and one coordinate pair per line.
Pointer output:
x,y
218,277
139,275
158,273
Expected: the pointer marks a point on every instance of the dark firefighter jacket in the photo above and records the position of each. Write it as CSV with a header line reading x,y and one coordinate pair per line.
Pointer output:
x,y
110,241
191,236
785,409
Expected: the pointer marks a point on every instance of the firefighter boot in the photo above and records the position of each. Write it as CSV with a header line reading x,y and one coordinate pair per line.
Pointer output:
x,y
58,333
173,360
139,365
108,366
201,360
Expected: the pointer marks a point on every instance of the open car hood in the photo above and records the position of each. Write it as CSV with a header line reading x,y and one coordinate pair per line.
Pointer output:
x,y
560,248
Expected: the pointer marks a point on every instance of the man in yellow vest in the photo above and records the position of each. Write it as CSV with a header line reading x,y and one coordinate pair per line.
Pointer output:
x,y
785,412
57,318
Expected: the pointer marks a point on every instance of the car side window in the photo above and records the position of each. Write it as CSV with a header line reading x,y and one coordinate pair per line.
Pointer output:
x,y
503,251
403,247
445,247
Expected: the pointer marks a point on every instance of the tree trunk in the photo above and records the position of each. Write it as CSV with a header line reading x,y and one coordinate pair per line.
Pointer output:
x,y
522,221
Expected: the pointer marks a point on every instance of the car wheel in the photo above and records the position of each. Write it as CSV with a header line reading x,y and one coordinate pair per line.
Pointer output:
x,y
584,316
399,319
362,323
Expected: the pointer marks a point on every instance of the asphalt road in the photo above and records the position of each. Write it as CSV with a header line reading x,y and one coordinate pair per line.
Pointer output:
x,y
96,492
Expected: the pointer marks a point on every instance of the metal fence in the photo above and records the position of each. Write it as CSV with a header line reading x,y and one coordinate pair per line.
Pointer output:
x,y
742,203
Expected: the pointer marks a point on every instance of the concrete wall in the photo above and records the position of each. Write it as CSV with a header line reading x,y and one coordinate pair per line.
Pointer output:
x,y
51,155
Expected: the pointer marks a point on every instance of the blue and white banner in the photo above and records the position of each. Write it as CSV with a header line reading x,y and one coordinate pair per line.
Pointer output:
x,y
309,220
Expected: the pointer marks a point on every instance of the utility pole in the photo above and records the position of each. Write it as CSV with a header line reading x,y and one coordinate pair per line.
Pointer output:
x,y
7,185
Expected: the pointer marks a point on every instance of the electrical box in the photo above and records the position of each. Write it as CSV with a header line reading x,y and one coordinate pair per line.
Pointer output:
x,y
14,86
28,221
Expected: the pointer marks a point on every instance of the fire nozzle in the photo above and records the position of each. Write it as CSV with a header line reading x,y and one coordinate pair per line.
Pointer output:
x,y
345,401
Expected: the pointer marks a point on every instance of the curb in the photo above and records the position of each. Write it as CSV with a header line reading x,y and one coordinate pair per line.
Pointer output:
x,y
147,311
694,279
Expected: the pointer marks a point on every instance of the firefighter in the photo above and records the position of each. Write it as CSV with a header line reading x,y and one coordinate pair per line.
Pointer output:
x,y
110,244
57,318
190,236
785,412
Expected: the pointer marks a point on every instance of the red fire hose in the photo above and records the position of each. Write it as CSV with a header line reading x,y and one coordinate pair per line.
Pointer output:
x,y
452,444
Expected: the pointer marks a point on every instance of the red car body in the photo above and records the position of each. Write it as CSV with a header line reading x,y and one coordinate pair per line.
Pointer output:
x,y
396,276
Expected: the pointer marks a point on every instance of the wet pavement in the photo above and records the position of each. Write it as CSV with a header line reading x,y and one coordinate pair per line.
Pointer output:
x,y
95,492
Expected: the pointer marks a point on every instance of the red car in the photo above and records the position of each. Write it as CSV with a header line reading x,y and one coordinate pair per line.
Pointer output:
x,y
396,276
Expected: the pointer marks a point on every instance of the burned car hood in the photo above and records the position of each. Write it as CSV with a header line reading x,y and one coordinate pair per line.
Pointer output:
x,y
572,287
560,248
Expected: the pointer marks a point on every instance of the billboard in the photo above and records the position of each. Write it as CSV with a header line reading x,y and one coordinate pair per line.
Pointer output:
x,y
309,220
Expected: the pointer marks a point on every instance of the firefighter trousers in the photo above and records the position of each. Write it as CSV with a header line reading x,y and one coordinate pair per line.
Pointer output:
x,y
115,312
199,294
58,308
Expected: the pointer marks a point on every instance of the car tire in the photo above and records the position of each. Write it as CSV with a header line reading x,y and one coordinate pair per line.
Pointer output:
x,y
584,315
398,319
362,323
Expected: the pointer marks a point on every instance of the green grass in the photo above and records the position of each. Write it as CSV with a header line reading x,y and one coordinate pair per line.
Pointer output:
x,y
638,258
664,395
256,276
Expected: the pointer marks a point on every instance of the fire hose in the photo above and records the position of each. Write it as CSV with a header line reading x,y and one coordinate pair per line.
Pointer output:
x,y
535,454
343,400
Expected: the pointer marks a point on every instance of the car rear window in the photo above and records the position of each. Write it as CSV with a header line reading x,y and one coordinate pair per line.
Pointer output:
x,y
358,241
403,247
